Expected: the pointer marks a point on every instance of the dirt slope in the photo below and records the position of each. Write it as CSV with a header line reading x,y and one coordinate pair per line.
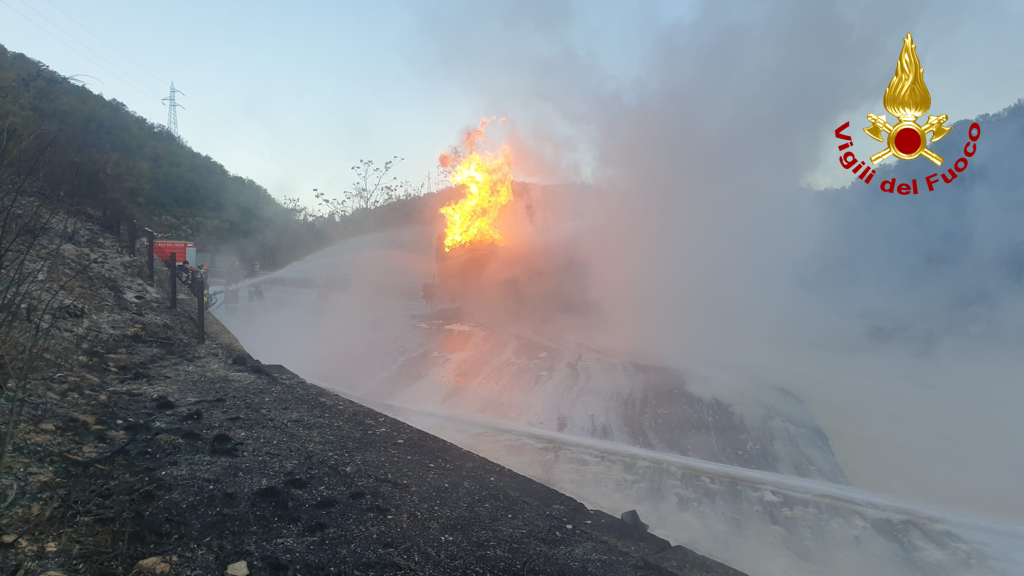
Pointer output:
x,y
144,444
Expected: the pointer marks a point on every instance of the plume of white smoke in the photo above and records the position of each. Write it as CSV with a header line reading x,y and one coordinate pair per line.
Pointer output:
x,y
701,246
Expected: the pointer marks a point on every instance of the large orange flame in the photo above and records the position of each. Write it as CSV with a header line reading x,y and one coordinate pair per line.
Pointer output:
x,y
487,179
488,182
907,97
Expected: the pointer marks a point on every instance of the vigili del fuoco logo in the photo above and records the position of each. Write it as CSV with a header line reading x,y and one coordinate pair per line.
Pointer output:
x,y
907,98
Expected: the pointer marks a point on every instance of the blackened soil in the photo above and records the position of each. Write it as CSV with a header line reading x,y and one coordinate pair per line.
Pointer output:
x,y
205,457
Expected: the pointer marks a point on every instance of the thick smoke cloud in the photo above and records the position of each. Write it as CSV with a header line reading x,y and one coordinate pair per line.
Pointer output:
x,y
704,248
703,149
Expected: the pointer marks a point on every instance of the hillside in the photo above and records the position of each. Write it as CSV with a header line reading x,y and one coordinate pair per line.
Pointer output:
x,y
958,248
102,156
142,452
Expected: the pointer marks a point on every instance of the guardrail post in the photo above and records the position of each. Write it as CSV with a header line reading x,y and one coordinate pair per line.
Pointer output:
x,y
201,298
174,279
152,238
133,237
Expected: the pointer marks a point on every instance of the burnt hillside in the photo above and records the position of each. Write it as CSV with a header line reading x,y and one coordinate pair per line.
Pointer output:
x,y
102,156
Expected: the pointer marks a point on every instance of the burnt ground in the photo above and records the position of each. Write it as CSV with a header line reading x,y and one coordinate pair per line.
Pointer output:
x,y
146,444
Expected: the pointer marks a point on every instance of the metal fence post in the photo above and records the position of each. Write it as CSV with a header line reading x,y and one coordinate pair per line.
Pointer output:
x,y
174,279
152,238
201,298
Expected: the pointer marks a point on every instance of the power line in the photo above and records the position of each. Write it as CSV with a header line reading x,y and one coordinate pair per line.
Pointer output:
x,y
172,112
105,43
135,84
234,128
277,159
272,160
127,74
172,123
130,80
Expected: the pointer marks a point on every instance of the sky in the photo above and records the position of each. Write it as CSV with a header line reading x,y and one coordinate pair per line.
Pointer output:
x,y
292,95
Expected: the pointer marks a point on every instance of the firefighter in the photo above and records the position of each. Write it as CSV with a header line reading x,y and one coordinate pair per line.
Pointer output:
x,y
255,292
200,274
184,273
429,291
203,269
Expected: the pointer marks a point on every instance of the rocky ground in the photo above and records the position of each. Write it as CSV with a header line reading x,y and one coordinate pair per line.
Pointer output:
x,y
142,451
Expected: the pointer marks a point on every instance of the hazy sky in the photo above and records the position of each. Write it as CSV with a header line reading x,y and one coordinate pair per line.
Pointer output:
x,y
290,94
293,94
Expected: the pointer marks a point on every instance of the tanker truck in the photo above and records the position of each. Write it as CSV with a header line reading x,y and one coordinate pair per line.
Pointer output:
x,y
460,270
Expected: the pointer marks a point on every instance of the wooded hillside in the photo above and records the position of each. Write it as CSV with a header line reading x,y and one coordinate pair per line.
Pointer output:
x,y
102,156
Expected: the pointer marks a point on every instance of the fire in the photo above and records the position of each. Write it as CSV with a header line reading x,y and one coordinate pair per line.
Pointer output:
x,y
487,179
488,182
907,97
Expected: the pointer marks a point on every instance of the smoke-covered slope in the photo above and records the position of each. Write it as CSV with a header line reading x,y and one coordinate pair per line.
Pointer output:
x,y
957,250
867,367
573,389
719,476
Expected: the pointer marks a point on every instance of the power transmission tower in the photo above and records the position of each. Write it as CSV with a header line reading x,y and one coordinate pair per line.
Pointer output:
x,y
172,110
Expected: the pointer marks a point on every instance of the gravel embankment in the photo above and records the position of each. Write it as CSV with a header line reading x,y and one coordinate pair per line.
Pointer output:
x,y
147,445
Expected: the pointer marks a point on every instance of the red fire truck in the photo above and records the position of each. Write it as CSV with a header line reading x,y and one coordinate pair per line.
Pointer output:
x,y
183,251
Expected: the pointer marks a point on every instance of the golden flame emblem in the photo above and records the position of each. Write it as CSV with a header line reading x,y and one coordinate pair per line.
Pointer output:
x,y
907,98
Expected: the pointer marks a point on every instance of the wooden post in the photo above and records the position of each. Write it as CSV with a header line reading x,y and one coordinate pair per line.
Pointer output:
x,y
201,298
152,238
133,237
174,279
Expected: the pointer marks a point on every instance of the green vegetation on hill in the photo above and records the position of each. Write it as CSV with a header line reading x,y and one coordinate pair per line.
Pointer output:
x,y
98,155
106,158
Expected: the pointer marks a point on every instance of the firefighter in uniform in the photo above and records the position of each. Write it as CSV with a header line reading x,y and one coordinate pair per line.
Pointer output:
x,y
200,274
184,273
429,290
255,293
